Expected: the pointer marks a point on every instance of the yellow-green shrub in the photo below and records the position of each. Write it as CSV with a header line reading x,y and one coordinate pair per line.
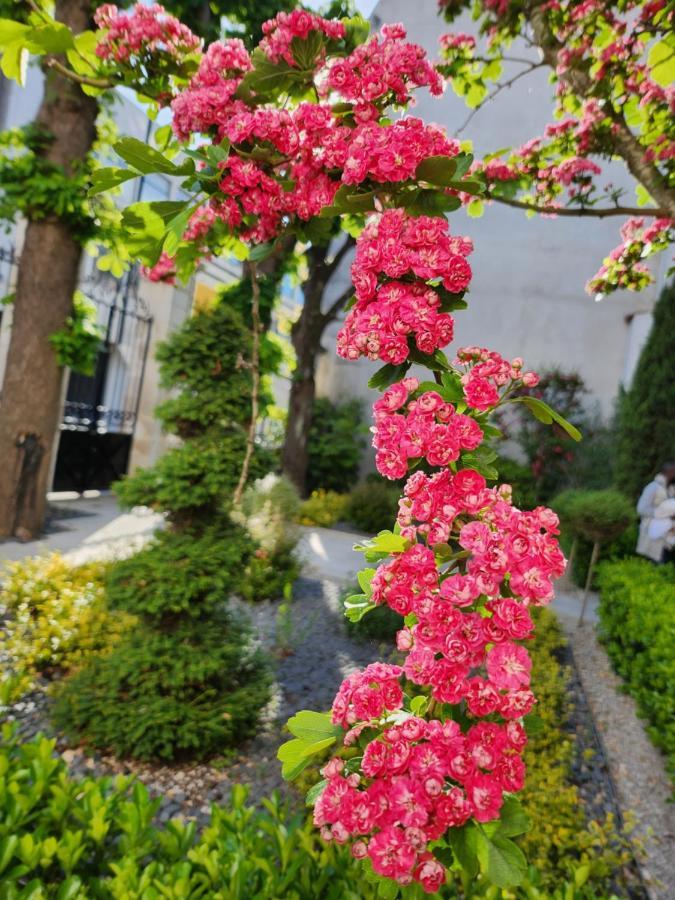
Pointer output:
x,y
324,508
56,615
561,842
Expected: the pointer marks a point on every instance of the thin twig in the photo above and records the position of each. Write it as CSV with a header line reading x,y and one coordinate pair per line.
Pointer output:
x,y
582,211
498,89
54,64
255,384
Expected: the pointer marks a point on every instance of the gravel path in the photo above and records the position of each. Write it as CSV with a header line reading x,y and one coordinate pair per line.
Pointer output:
x,y
314,654
635,765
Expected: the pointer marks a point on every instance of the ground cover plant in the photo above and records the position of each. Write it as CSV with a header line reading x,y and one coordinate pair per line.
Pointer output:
x,y
55,616
636,602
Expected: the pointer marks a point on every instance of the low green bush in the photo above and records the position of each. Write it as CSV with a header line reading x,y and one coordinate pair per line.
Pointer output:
x,y
335,444
373,506
589,515
64,838
191,692
268,512
56,616
195,481
379,624
637,600
521,479
562,845
187,681
181,573
324,508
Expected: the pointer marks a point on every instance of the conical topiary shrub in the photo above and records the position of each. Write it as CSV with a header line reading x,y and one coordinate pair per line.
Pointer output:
x,y
187,682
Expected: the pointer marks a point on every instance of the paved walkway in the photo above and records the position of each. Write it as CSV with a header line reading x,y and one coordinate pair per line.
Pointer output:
x,y
86,529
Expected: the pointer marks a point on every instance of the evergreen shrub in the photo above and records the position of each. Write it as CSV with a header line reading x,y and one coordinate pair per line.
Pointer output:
x,y
373,506
335,445
636,626
646,411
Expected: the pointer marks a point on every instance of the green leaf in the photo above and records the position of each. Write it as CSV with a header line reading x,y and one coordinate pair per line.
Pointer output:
x,y
385,542
148,160
261,251
431,203
387,889
348,200
543,412
356,606
642,195
54,37
312,726
418,705
463,164
14,63
295,755
464,843
364,577
436,170
12,32
105,179
661,60
475,208
501,860
176,226
513,819
144,230
306,50
534,724
469,186
387,375
315,792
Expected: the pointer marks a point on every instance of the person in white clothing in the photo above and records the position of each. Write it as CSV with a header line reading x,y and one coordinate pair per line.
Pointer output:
x,y
654,535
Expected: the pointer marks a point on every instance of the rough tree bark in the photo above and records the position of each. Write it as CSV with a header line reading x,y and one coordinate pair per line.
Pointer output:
x,y
306,338
47,280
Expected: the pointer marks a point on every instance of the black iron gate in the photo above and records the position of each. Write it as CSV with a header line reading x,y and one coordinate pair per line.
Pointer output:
x,y
101,410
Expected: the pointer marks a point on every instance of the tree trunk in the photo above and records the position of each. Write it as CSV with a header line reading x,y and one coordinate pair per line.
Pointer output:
x,y
47,280
306,338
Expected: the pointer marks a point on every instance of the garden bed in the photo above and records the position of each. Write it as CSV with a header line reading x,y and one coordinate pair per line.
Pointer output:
x,y
308,672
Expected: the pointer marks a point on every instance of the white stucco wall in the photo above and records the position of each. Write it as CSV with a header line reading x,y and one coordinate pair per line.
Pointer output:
x,y
527,296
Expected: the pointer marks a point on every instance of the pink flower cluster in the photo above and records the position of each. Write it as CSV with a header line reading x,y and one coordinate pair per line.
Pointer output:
x,y
421,778
429,429
621,269
487,374
396,255
146,29
382,70
393,153
207,102
164,270
284,28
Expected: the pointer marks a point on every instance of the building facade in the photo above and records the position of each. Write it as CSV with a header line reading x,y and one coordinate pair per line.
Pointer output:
x,y
108,425
527,296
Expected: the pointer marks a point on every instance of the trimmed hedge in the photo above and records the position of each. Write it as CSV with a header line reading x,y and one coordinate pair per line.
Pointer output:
x,y
637,600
